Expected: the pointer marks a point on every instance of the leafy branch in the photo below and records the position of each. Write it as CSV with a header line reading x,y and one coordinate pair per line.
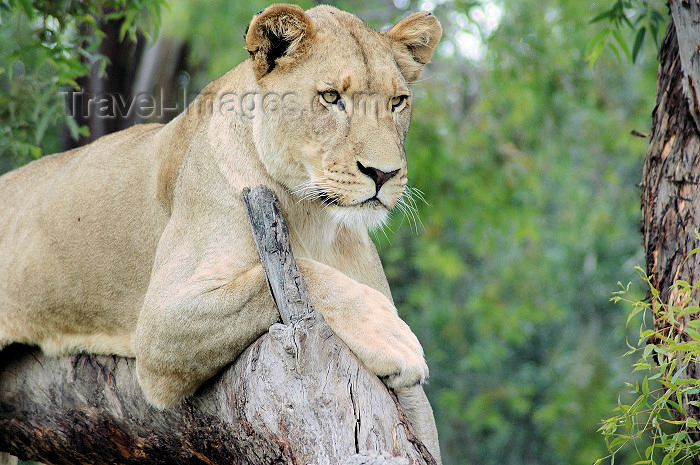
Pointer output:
x,y
641,19
45,46
666,403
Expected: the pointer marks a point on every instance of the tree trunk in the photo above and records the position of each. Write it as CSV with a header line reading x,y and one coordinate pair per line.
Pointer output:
x,y
295,396
141,85
671,178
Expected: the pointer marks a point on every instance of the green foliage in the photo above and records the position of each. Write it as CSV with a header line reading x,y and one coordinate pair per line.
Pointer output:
x,y
662,412
44,48
639,18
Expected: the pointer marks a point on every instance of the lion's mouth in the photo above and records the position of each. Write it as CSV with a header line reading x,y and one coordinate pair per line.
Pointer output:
x,y
370,213
374,201
329,199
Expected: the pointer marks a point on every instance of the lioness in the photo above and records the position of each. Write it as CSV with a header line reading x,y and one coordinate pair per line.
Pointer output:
x,y
139,244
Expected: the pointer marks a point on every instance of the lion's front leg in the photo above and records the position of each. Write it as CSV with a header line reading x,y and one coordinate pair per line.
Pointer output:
x,y
367,321
185,336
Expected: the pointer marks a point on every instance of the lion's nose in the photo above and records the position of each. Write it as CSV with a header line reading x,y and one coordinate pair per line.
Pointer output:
x,y
378,176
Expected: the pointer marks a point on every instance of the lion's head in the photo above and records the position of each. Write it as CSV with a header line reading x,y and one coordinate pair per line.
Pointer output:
x,y
336,105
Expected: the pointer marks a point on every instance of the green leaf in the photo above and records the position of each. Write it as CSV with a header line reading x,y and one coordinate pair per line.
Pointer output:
x,y
622,43
593,55
647,350
70,82
27,8
601,36
683,347
693,334
638,42
614,49
73,127
604,15
34,151
618,441
676,406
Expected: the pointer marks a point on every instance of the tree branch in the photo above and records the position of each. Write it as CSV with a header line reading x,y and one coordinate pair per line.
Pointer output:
x,y
296,395
271,235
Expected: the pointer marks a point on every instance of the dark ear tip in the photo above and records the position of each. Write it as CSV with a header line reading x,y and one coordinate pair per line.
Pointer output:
x,y
280,30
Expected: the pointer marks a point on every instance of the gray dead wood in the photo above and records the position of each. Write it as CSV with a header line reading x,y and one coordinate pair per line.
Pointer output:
x,y
295,396
271,236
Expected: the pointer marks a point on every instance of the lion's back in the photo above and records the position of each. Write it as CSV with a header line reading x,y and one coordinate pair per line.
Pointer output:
x,y
78,232
18,185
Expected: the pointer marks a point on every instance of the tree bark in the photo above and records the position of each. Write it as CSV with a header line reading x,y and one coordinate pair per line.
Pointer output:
x,y
671,178
295,396
287,285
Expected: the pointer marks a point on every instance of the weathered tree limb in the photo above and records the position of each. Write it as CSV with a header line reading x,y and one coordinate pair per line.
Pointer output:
x,y
271,236
295,396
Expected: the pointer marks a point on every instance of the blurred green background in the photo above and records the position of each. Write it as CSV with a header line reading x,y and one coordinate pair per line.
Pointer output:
x,y
529,172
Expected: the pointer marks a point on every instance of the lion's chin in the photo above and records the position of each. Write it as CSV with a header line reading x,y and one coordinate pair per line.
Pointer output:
x,y
365,216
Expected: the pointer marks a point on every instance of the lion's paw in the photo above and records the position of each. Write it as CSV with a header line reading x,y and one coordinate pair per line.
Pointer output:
x,y
397,357
382,341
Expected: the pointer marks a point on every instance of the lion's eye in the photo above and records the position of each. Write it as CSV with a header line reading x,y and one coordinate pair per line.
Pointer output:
x,y
330,96
397,101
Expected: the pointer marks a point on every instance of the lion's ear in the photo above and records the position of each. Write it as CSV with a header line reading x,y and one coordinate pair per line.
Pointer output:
x,y
416,37
277,33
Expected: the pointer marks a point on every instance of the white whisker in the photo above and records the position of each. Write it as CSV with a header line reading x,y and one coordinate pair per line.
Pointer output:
x,y
408,207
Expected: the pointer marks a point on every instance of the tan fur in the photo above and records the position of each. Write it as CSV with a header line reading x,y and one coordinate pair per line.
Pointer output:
x,y
139,245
